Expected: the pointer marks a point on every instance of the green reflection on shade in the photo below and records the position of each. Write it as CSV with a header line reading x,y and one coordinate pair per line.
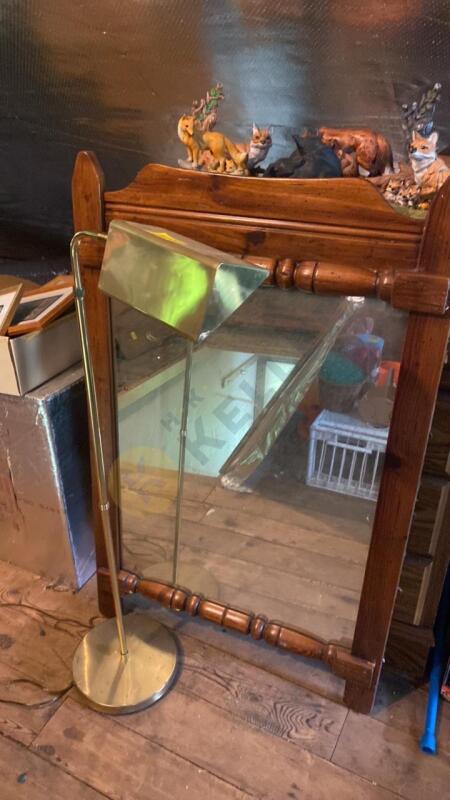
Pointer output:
x,y
188,289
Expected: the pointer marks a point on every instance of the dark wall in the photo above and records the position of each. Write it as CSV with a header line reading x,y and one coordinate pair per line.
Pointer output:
x,y
115,76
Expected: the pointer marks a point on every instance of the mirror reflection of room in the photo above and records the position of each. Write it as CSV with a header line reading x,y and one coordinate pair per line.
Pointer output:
x,y
287,423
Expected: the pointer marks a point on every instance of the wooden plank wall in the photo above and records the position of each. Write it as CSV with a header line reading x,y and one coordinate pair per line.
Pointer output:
x,y
428,552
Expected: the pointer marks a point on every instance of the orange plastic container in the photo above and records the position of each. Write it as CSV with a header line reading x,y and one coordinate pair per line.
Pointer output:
x,y
385,368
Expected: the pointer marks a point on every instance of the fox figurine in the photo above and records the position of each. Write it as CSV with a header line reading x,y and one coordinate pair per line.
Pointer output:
x,y
256,150
430,171
373,151
259,146
221,148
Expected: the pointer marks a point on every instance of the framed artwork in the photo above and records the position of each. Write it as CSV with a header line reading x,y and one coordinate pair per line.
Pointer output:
x,y
37,309
9,300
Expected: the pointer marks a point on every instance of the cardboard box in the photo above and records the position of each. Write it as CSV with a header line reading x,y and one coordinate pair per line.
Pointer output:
x,y
32,359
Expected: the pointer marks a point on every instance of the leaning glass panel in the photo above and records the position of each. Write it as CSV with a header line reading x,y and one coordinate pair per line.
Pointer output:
x,y
289,412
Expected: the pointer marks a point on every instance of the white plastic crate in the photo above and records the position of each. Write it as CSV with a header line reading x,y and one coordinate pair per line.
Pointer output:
x,y
345,455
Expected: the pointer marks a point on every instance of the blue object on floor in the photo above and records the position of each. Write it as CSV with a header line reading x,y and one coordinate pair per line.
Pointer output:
x,y
428,741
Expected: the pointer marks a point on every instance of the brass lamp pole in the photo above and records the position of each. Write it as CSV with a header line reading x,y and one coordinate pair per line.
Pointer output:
x,y
127,663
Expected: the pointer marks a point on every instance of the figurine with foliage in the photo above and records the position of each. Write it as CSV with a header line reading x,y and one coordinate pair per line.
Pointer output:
x,y
417,182
217,145
213,151
430,171
206,111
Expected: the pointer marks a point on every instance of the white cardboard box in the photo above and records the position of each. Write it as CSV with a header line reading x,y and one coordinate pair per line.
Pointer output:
x,y
32,359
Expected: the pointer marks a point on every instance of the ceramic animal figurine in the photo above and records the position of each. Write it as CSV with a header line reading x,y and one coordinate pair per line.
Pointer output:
x,y
430,171
419,115
400,187
414,183
349,161
259,146
256,150
214,151
221,148
373,151
310,159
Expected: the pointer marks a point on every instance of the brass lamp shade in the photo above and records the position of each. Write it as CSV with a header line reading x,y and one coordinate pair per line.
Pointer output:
x,y
187,285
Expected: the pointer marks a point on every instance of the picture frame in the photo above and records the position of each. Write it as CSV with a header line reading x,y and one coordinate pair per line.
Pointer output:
x,y
37,309
9,301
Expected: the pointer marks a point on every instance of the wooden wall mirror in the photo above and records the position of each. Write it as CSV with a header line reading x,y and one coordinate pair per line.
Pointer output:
x,y
298,497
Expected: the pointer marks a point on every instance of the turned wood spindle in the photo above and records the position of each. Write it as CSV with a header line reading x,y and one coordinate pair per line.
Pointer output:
x,y
340,660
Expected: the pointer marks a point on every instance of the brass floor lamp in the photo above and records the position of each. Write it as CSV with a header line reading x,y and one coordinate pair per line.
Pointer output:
x,y
127,663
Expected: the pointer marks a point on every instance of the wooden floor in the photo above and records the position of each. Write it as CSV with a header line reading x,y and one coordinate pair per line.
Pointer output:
x,y
228,729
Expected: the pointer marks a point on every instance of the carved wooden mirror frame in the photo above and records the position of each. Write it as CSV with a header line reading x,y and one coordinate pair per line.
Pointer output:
x,y
324,236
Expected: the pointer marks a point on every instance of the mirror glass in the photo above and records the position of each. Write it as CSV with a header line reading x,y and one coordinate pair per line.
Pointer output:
x,y
287,408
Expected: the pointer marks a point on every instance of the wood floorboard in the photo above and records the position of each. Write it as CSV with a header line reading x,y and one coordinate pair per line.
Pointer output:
x,y
238,753
241,724
25,774
43,627
322,569
38,648
355,515
403,707
121,763
261,700
325,610
297,510
40,627
326,627
144,505
241,524
20,586
24,707
303,531
196,487
294,564
245,569
390,757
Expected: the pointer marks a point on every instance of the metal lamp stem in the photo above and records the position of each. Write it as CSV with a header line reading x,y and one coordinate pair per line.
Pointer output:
x,y
127,663
182,458
96,436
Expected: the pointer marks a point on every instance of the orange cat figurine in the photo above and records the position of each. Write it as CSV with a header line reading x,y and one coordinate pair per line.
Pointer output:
x,y
220,146
430,171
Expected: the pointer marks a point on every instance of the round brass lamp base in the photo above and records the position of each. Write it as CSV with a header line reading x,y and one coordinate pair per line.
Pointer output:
x,y
119,685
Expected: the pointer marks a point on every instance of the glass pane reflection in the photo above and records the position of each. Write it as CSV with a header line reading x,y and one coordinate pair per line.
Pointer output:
x,y
288,416
149,366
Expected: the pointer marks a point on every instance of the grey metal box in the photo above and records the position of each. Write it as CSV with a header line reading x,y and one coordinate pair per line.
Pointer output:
x,y
29,360
45,507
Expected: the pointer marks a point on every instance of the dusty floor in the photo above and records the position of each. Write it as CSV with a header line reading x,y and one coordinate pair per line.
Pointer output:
x,y
234,726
